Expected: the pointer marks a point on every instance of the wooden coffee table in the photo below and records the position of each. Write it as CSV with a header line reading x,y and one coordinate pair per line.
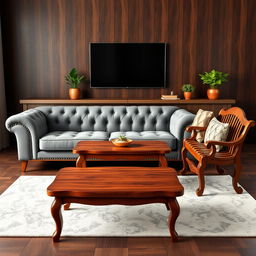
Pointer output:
x,y
136,151
116,185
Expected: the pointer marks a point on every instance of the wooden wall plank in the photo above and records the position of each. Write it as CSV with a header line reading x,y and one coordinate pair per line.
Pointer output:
x,y
44,39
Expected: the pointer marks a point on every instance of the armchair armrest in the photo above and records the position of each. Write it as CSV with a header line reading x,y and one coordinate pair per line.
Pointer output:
x,y
28,127
209,143
194,130
197,128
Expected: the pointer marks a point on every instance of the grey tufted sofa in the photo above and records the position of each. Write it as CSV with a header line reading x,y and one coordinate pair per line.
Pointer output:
x,y
51,132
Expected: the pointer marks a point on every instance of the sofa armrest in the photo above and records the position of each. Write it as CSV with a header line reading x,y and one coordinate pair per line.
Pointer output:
x,y
28,127
180,119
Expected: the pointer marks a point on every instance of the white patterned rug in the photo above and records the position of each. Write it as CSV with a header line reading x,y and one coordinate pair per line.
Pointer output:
x,y
25,211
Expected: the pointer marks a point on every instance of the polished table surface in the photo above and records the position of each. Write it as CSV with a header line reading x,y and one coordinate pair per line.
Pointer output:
x,y
116,185
138,146
138,150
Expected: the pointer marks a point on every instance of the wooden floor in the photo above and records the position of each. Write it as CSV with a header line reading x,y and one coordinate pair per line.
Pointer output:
x,y
10,171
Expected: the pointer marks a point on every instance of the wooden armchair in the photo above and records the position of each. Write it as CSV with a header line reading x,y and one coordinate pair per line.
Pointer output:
x,y
205,153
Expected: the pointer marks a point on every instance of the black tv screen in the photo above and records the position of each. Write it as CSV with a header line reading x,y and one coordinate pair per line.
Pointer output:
x,y
128,65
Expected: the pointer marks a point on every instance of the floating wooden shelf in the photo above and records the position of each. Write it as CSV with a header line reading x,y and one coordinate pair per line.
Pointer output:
x,y
191,105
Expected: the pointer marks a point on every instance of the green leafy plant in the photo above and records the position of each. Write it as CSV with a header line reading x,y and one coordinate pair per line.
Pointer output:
x,y
213,78
188,88
73,79
122,138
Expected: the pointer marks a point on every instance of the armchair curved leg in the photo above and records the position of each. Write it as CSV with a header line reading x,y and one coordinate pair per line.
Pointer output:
x,y
184,162
220,170
237,171
201,181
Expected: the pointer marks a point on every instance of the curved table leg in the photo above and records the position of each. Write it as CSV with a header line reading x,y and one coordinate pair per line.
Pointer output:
x,y
80,162
174,213
67,206
57,216
163,161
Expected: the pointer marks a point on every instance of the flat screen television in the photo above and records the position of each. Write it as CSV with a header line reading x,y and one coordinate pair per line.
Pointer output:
x,y
128,65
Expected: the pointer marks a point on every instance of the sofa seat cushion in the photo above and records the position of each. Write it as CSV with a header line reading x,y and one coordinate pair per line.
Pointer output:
x,y
66,140
148,135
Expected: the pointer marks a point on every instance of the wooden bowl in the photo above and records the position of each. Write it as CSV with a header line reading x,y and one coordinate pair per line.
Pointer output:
x,y
119,143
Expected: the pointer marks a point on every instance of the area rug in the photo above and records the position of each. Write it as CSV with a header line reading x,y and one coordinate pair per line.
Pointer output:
x,y
25,211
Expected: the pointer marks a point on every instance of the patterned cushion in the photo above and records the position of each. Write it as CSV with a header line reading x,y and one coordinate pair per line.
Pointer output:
x,y
216,131
202,119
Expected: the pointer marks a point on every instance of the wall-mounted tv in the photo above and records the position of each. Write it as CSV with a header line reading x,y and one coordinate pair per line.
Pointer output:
x,y
128,65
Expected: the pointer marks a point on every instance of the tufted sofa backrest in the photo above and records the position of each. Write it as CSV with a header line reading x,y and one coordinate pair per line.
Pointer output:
x,y
108,118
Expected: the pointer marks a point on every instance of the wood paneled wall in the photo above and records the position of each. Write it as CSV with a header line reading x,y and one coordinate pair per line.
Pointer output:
x,y
44,39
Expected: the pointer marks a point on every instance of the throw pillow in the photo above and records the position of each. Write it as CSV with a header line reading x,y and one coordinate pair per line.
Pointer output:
x,y
202,119
216,131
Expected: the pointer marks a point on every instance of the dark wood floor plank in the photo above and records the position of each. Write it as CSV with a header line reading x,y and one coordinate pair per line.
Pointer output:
x,y
39,247
111,252
12,246
149,251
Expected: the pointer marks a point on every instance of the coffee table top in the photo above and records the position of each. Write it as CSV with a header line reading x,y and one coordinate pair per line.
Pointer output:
x,y
136,147
116,182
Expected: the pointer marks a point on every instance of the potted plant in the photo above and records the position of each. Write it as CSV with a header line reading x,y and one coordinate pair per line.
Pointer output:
x,y
213,78
73,79
187,90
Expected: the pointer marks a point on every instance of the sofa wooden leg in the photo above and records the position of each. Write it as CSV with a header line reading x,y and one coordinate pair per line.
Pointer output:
x,y
236,175
184,162
24,165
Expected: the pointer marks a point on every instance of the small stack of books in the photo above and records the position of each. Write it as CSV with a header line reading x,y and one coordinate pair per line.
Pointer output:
x,y
170,97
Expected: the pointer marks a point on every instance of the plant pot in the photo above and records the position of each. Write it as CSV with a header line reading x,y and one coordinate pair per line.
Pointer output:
x,y
187,95
74,93
213,94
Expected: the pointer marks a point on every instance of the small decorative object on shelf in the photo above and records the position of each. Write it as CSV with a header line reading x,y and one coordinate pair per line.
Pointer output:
x,y
169,97
213,78
187,90
73,79
121,141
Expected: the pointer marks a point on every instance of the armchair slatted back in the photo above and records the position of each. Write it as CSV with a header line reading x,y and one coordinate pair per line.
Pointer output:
x,y
239,125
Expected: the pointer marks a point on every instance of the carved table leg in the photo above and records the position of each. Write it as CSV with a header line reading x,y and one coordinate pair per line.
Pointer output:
x,y
162,161
57,216
80,161
175,211
67,206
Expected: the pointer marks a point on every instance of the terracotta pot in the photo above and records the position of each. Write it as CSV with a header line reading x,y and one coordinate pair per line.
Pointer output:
x,y
74,93
187,95
213,94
